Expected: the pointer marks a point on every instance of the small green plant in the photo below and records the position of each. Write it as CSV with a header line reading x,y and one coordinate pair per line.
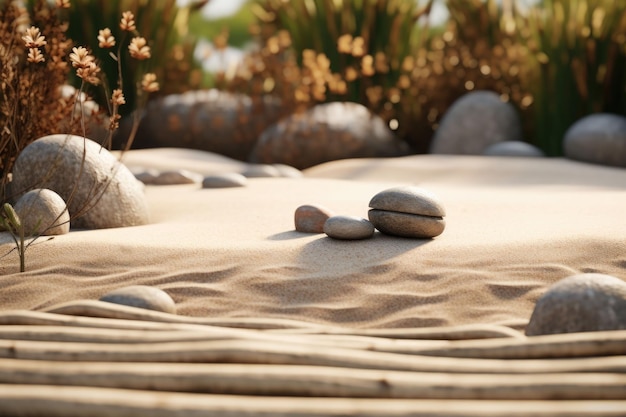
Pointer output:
x,y
10,221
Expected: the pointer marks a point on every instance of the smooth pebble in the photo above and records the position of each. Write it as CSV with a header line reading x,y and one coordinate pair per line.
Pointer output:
x,y
348,228
226,180
142,296
311,218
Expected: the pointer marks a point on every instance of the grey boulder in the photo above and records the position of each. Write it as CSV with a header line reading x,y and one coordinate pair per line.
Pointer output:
x,y
580,303
598,138
474,122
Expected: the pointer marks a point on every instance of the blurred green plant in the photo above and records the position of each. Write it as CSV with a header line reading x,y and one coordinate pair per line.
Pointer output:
x,y
578,48
161,21
238,26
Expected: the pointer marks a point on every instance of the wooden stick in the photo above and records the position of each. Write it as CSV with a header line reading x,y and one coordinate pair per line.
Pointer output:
x,y
309,381
60,401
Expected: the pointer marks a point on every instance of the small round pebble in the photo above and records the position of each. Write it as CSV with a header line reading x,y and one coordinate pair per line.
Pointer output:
x,y
226,180
348,228
142,296
515,148
42,212
177,177
288,171
311,218
261,171
147,176
580,303
407,211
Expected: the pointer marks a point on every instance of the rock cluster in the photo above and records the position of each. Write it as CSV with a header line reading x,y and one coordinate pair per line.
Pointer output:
x,y
142,296
100,192
580,303
326,132
406,211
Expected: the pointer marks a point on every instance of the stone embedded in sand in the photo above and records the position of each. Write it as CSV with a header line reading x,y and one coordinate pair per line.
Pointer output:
x,y
261,171
407,211
226,180
311,218
348,228
177,177
513,148
146,176
475,121
327,132
580,303
107,194
42,213
287,171
599,138
142,296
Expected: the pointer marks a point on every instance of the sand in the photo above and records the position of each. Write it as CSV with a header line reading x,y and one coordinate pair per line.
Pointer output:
x,y
231,256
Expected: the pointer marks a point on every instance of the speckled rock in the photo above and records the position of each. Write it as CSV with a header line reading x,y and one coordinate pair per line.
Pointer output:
x,y
326,132
598,138
177,177
311,218
226,180
42,212
348,228
142,296
513,148
407,211
209,120
474,122
580,303
121,201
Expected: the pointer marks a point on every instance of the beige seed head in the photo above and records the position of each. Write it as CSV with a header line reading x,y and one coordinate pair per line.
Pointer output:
x,y
33,38
139,49
128,22
118,97
105,38
149,84
62,4
35,56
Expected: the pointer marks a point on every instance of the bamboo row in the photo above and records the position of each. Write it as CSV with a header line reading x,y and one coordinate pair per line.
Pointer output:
x,y
61,401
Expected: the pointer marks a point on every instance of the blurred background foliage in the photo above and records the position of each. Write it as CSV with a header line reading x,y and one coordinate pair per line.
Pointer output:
x,y
555,60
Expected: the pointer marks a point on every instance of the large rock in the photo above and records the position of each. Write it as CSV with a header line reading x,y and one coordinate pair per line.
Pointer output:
x,y
209,120
598,138
474,122
327,132
580,303
42,212
101,193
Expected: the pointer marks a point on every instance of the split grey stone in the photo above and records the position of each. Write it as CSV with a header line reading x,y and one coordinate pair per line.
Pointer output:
x,y
580,303
226,180
104,193
513,148
348,228
474,122
407,211
42,213
177,177
598,138
142,296
311,218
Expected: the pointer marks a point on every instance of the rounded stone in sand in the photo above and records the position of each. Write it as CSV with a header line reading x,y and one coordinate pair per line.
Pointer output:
x,y
348,228
42,212
580,303
407,211
177,177
142,296
311,218
226,180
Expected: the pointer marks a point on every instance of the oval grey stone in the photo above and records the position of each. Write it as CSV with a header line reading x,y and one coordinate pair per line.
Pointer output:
x,y
177,177
408,199
142,296
147,176
226,180
406,224
288,171
580,303
42,213
261,171
311,218
348,228
598,138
